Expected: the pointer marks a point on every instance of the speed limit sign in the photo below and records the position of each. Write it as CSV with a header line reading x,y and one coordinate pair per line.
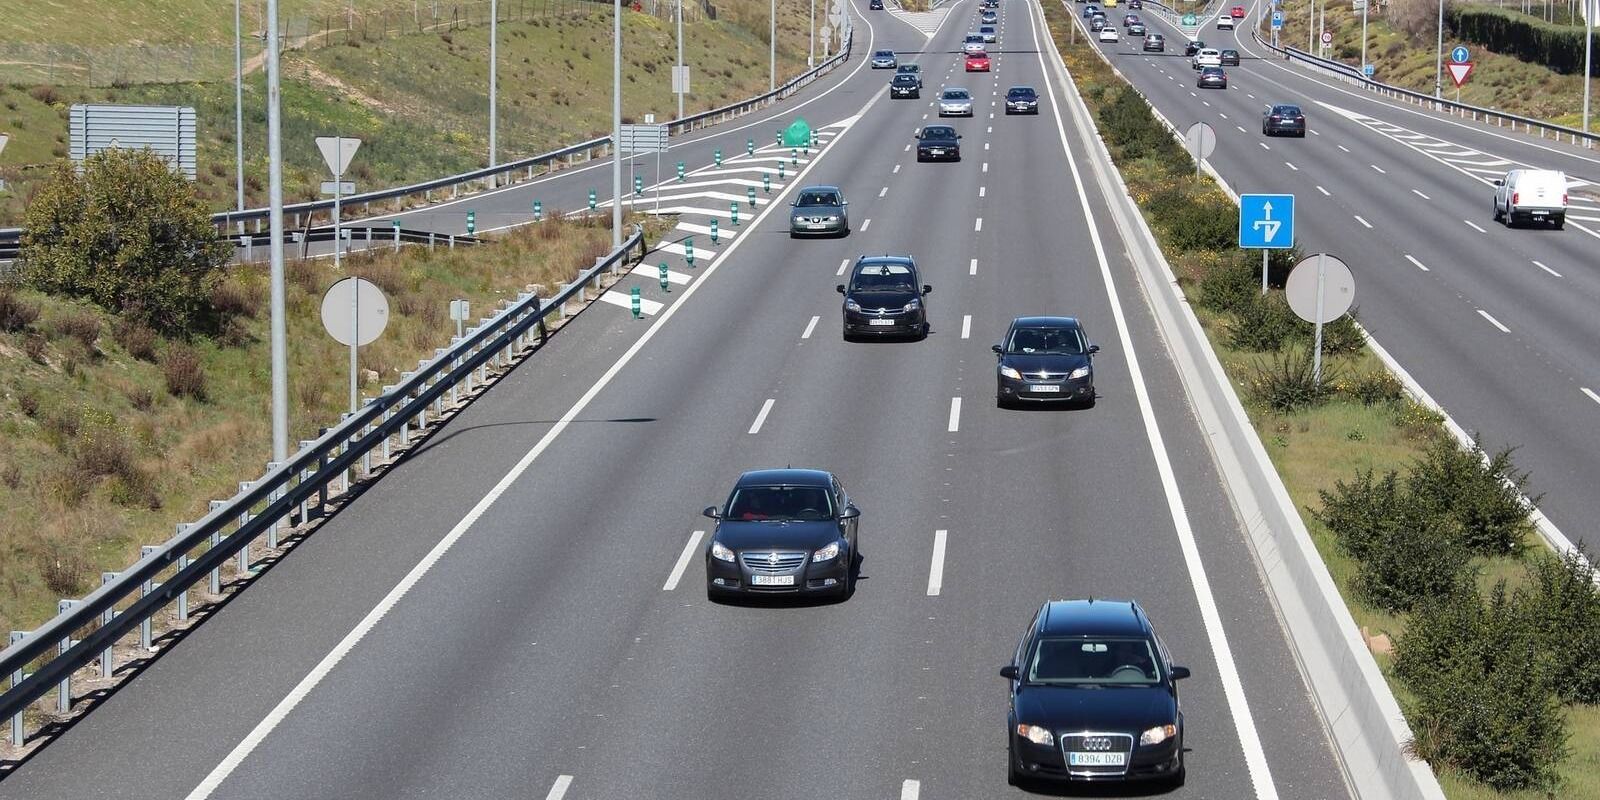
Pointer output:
x,y
1327,37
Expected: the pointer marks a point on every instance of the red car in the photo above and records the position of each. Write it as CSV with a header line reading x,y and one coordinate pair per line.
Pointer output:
x,y
978,62
1237,12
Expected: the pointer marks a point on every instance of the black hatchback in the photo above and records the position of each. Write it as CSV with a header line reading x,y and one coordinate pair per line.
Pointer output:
x,y
1094,697
885,297
1044,359
783,531
1282,119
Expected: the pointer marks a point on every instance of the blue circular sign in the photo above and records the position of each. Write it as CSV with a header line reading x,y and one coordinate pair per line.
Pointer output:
x,y
1459,55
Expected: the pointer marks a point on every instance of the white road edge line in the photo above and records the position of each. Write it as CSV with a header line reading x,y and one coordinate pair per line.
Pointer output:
x,y
683,561
761,416
1227,670
315,676
558,789
810,326
1493,321
966,326
955,415
936,566
1416,263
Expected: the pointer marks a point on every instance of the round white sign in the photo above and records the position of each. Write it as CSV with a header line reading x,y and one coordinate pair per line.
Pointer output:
x,y
355,308
1200,140
1338,288
1327,37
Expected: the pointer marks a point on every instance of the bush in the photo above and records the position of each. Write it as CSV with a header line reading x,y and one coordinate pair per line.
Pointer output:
x,y
1288,383
1559,47
1195,221
1485,701
1362,513
1373,388
136,338
1564,615
83,326
1484,496
185,375
1263,324
1341,337
1132,129
128,234
232,298
16,314
1230,287
102,449
1412,559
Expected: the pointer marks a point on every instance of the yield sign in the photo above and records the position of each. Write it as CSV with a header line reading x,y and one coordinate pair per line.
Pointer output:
x,y
1459,72
337,152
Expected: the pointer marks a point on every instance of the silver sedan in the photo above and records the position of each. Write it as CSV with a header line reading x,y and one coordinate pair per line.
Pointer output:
x,y
955,103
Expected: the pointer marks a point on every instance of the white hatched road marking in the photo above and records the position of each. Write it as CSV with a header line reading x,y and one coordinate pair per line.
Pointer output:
x,y
646,305
673,276
761,416
1591,394
683,561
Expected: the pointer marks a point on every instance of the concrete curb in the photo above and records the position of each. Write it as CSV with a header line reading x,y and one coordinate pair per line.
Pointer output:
x,y
1367,728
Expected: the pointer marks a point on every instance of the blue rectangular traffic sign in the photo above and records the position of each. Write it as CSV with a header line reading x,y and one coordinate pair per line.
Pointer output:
x,y
1266,221
1277,19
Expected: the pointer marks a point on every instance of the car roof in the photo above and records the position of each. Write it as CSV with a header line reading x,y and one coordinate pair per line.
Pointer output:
x,y
1022,89
821,187
1045,322
1093,617
885,259
784,477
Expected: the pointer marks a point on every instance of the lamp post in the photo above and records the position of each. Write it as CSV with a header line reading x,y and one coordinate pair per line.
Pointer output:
x,y
1438,57
279,334
772,43
811,54
494,31
680,56
616,128
1590,8
238,108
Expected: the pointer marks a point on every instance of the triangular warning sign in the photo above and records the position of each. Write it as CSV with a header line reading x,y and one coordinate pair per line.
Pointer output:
x,y
1459,72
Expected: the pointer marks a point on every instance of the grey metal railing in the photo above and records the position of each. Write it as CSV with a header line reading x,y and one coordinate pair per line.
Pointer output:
x,y
85,631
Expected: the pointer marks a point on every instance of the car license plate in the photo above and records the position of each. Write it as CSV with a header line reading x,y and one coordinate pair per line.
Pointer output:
x,y
1047,388
1097,759
772,580
880,322
936,151
817,225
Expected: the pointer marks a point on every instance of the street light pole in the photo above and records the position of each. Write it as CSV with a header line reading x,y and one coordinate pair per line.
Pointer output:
x,y
811,54
1364,37
1438,57
680,56
280,348
772,42
238,107
1590,7
616,128
494,40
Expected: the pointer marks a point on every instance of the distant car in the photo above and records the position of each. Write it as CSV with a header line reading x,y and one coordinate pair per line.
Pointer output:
x,y
885,297
875,5
977,62
1155,43
1531,195
988,34
1129,19
955,103
905,84
1229,57
1094,697
1237,12
819,210
1194,46
783,531
1283,119
1211,78
1135,5
1090,10
1136,29
1224,23
973,43
1097,24
1044,359
938,143
1022,100
1109,34
1206,57
914,70
884,59
995,3
989,17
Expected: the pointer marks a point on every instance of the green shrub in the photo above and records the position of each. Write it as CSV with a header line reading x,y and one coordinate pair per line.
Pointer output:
x,y
16,314
1373,388
1286,382
1129,126
1195,221
1559,47
184,373
1414,558
1564,614
1484,496
1341,337
1485,703
1363,512
1264,324
1230,287
127,234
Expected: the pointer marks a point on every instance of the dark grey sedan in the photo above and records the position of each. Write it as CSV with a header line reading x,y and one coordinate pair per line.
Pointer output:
x,y
820,211
783,531
1044,359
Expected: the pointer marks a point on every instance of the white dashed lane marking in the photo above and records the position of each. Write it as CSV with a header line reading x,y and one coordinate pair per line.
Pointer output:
x,y
1493,321
1415,262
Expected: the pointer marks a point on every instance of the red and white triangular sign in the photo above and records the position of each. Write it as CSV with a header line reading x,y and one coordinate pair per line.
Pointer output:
x,y
1459,72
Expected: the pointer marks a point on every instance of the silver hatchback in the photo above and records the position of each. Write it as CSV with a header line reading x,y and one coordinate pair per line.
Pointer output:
x,y
819,211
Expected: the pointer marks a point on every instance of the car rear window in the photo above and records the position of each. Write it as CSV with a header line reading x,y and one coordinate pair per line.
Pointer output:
x,y
956,94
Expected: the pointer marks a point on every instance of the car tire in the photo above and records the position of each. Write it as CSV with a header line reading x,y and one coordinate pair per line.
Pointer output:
x,y
1558,222
1511,216
1497,215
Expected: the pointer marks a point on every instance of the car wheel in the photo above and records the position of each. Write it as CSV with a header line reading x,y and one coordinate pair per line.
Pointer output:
x,y
1497,215
1558,222
1511,216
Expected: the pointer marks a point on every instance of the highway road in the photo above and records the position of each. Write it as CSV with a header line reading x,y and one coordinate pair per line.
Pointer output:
x,y
1497,324
517,609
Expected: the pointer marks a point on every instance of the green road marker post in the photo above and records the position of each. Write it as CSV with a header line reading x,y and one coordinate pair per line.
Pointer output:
x,y
664,277
766,183
680,172
750,195
633,299
749,147
638,185
780,170
733,208
794,156
688,251
472,222
538,211
591,200
716,155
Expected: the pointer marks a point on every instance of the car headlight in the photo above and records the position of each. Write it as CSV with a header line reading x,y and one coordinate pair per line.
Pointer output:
x,y
1080,372
1010,372
1158,734
830,218
913,305
851,305
828,553
1036,734
721,553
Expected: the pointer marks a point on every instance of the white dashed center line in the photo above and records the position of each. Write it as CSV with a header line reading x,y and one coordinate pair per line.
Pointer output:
x,y
1264,145
1493,321
1220,114
983,191
1363,222
935,584
1591,394
978,224
972,269
1416,263
1291,165
683,559
843,265
1324,192
1420,194
761,416
1241,128
985,166
558,790
883,191
955,415
1342,147
910,790
1379,169
866,224
1541,265
810,326
897,169
966,326
1474,226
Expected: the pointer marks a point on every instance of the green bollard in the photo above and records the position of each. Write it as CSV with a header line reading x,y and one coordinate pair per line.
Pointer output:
x,y
591,200
766,183
733,208
794,156
680,172
664,277
717,156
472,222
779,137
633,299
688,251
638,184
750,195
780,170
749,147
713,231
538,211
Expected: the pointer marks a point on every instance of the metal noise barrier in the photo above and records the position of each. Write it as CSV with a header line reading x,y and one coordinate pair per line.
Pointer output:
x,y
281,492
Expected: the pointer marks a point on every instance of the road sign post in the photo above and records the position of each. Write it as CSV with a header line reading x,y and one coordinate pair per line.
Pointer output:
x,y
1266,221
336,153
354,312
1200,140
1320,289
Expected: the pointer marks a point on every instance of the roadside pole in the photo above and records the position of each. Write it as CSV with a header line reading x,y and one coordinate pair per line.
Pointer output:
x,y
279,335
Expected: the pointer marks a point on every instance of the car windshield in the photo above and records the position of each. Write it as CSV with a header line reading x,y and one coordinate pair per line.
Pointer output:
x,y
885,54
1211,71
817,199
1021,94
882,277
1046,341
974,38
941,132
1093,660
780,504
956,94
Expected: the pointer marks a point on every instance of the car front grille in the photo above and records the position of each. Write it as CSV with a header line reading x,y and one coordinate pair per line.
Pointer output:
x,y
1096,742
769,562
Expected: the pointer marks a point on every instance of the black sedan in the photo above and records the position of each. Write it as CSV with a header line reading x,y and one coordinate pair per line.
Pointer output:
x,y
1094,697
905,84
820,210
1211,78
1044,359
1230,57
783,531
1194,46
1283,119
885,297
1022,100
938,143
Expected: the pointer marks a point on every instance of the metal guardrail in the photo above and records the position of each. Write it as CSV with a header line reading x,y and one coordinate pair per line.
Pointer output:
x,y
292,492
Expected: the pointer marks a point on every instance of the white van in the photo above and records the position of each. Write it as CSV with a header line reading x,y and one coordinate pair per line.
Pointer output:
x,y
1531,195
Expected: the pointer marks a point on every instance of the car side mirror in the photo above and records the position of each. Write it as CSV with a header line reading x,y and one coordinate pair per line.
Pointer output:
x,y
839,288
1179,673
794,202
1009,672
850,512
844,202
997,349
712,512
926,288
1499,182
1094,348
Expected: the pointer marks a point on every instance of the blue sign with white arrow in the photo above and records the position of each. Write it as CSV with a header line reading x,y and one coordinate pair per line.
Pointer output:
x,y
1277,19
1266,221
1460,55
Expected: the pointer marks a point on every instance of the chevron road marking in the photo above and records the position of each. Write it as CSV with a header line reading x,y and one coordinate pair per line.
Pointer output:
x,y
646,305
673,276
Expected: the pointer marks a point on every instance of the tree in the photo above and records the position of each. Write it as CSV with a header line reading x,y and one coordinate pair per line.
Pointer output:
x,y
128,234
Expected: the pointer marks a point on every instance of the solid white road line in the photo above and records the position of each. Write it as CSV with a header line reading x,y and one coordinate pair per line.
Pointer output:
x,y
866,224
1291,165
972,269
883,191
1420,194
683,560
1324,192
843,265
910,790
1540,265
977,225
936,567
810,326
1474,226
1363,222
955,415
1493,321
1416,263
558,789
1227,670
1591,394
966,326
761,416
